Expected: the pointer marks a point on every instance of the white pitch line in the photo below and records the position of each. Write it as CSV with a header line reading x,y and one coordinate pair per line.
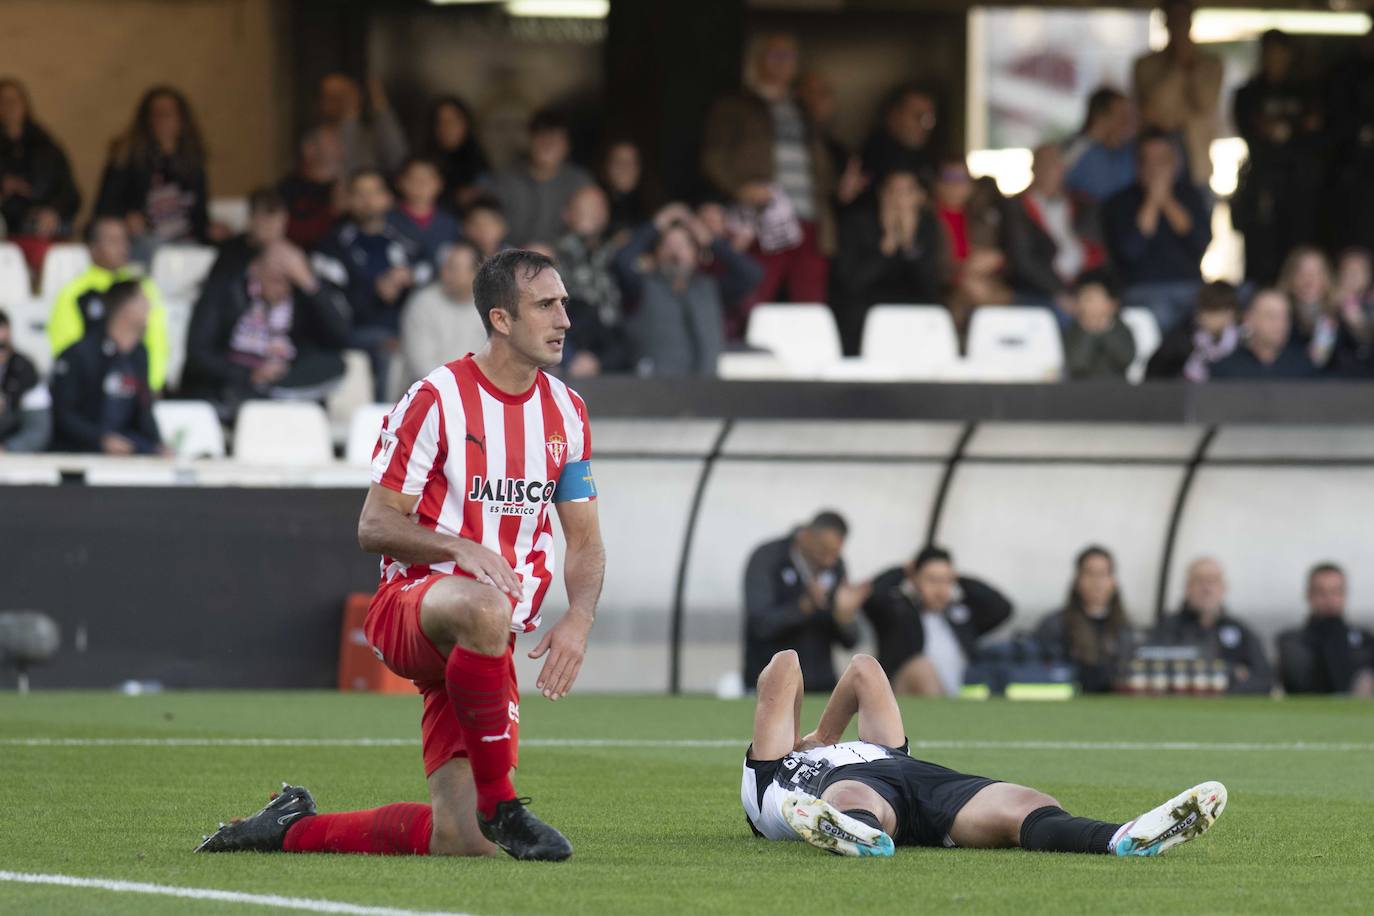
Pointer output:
x,y
630,743
209,893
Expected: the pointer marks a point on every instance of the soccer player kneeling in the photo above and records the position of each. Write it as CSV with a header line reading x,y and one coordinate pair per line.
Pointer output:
x,y
465,471
863,798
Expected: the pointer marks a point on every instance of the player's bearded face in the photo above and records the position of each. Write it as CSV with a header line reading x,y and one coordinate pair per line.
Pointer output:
x,y
537,332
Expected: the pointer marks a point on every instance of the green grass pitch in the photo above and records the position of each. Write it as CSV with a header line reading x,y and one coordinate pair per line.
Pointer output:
x,y
659,829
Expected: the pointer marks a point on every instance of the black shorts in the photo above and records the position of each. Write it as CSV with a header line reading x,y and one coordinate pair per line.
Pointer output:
x,y
925,796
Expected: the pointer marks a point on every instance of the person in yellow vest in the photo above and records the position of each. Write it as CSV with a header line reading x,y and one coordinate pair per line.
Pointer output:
x,y
80,310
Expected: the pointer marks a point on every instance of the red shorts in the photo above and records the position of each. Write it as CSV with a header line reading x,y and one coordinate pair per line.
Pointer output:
x,y
393,630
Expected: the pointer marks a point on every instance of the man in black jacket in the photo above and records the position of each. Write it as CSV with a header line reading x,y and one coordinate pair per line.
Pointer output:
x,y
796,596
1204,622
266,330
1328,654
929,620
101,401
891,252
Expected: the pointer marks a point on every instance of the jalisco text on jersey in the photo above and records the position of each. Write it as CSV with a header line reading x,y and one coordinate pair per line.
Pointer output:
x,y
511,490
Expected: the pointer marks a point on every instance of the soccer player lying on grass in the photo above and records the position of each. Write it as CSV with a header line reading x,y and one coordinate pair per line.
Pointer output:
x,y
862,798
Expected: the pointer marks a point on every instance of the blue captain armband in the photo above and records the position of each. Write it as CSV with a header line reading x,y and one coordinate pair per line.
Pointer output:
x,y
575,482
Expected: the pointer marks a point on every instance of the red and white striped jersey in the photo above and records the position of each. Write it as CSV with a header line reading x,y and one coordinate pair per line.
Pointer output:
x,y
486,465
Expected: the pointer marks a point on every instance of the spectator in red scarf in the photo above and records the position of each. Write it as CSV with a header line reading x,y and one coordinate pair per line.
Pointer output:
x,y
953,188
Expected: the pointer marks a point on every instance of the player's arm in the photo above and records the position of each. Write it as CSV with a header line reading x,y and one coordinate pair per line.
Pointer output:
x,y
386,527
566,641
862,689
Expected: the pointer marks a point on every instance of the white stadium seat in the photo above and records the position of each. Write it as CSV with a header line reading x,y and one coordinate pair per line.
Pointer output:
x,y
14,278
1015,344
178,324
751,365
178,270
352,392
230,211
191,428
363,430
802,335
282,432
1145,329
913,341
859,369
64,262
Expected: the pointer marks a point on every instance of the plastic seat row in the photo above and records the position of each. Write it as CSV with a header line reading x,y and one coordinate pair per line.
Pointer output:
x,y
286,433
916,343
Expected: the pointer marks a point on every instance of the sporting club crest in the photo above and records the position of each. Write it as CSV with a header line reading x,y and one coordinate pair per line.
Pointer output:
x,y
556,445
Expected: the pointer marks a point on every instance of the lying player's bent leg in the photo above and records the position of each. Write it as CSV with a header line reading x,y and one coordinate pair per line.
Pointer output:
x,y
845,833
993,817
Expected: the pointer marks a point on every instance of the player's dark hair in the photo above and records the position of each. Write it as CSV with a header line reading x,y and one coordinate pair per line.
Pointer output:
x,y
497,285
119,295
1086,644
4,319
1324,567
931,554
829,520
266,200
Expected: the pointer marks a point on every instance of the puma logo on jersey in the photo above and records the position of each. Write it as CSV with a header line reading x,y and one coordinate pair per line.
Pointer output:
x,y
492,739
480,443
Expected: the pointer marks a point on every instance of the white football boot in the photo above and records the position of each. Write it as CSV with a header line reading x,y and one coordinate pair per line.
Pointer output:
x,y
825,827
1185,816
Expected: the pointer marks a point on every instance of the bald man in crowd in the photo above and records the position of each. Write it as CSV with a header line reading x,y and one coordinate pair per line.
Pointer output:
x,y
1204,622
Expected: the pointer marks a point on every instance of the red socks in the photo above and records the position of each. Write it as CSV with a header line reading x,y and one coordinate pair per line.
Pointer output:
x,y
479,688
401,829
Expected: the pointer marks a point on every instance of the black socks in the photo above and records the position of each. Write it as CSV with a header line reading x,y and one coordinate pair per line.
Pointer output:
x,y
1052,829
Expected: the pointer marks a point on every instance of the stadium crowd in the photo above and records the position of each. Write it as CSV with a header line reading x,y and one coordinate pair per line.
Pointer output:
x,y
371,241
929,622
